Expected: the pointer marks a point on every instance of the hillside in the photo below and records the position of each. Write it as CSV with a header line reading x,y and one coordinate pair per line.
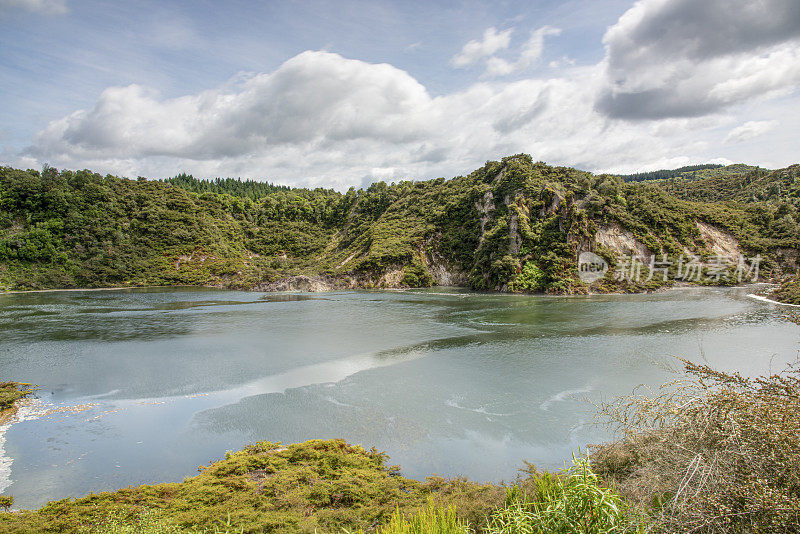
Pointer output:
x,y
511,225
690,172
754,185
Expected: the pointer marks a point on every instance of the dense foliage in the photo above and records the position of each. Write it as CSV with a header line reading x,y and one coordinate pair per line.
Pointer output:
x,y
788,292
756,185
332,487
720,453
689,170
228,186
321,486
510,225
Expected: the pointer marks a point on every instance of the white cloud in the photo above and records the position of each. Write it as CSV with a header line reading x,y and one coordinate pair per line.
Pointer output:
x,y
315,97
684,58
533,48
496,66
492,42
321,119
485,50
749,130
48,7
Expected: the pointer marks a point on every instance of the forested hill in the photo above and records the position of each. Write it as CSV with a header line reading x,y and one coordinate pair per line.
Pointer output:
x,y
251,189
511,225
690,172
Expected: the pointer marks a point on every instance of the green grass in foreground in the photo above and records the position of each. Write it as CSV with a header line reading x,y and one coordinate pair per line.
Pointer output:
x,y
329,487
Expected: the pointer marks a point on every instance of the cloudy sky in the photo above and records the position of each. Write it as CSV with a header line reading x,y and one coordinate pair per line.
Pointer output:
x,y
346,92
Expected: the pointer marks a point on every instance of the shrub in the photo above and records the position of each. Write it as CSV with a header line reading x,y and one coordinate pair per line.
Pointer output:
x,y
416,275
717,453
571,502
788,292
149,522
532,279
11,392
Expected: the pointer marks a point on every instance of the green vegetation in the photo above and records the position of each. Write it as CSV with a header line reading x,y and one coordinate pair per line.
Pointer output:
x,y
6,502
328,487
720,453
513,224
689,171
146,522
755,185
10,393
572,502
227,186
431,518
788,292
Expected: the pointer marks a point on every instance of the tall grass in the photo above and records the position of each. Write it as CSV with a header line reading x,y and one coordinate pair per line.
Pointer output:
x,y
431,519
570,502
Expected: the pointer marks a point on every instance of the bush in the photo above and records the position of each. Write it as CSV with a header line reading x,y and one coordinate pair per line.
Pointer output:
x,y
788,292
149,522
571,502
717,453
531,279
11,392
416,275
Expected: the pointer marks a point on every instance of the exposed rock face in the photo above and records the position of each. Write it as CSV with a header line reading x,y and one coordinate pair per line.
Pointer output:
x,y
484,208
621,241
718,241
391,279
443,273
303,283
514,239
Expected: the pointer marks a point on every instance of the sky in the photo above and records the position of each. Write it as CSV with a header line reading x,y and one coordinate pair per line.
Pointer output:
x,y
344,93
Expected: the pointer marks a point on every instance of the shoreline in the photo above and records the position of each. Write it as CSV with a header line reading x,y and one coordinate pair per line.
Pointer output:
x,y
762,298
118,288
254,290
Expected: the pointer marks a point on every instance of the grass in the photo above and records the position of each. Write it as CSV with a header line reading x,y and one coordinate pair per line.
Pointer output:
x,y
571,502
432,519
317,486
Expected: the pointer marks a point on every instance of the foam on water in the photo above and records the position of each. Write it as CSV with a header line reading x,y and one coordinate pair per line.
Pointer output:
x,y
28,410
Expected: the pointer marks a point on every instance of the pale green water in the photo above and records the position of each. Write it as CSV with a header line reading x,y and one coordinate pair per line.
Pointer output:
x,y
444,381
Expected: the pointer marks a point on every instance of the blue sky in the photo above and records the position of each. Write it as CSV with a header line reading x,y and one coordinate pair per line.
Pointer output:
x,y
345,93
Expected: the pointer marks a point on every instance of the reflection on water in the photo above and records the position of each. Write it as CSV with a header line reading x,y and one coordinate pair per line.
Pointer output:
x,y
445,381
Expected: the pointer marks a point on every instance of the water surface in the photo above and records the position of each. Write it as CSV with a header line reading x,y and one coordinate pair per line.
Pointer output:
x,y
142,386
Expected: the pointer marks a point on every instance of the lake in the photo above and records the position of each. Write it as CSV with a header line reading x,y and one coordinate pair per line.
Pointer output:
x,y
142,386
